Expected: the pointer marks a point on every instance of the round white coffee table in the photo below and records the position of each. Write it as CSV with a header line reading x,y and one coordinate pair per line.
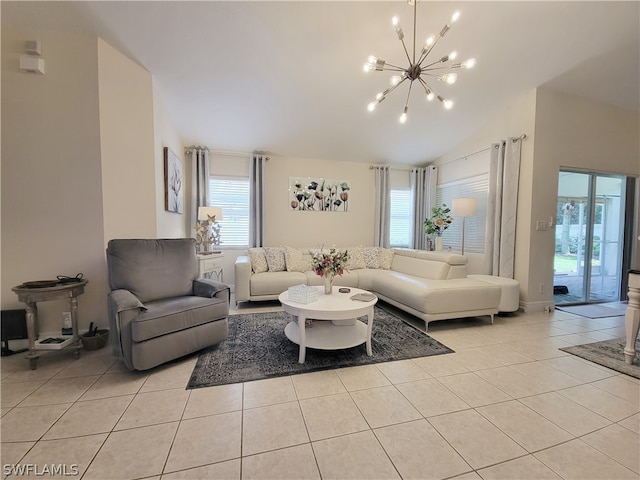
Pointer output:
x,y
340,328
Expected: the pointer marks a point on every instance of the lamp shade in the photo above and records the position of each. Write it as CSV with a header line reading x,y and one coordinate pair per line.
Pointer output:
x,y
205,212
464,207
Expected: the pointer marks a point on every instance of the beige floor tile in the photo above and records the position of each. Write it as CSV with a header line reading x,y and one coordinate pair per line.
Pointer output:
x,y
294,463
204,440
431,397
4,411
577,460
49,365
622,386
384,406
14,393
12,453
115,384
271,427
618,443
437,459
531,430
546,375
90,363
632,423
331,416
473,359
477,440
64,390
512,382
357,456
171,375
316,384
90,417
213,400
154,407
474,390
24,424
576,367
229,470
136,453
503,354
268,392
523,468
463,337
604,403
467,476
72,454
359,378
440,365
565,413
540,349
402,371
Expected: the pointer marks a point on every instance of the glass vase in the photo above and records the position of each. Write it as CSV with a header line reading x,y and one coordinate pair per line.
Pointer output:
x,y
328,284
438,243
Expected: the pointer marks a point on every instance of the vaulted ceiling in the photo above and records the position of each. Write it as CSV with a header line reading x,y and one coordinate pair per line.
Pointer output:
x,y
286,77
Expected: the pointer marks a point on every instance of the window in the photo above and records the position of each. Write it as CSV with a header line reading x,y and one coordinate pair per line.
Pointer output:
x,y
232,195
400,217
474,227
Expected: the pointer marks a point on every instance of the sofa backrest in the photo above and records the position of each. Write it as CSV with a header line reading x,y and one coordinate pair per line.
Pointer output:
x,y
153,269
431,265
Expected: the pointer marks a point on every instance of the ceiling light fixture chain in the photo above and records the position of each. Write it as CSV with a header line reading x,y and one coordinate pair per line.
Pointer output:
x,y
416,69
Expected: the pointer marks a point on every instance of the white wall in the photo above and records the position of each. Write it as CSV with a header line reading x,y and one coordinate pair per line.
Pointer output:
x,y
169,225
51,197
127,145
284,226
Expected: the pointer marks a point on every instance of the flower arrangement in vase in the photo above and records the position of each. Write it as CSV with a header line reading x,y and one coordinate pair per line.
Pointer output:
x,y
439,221
329,263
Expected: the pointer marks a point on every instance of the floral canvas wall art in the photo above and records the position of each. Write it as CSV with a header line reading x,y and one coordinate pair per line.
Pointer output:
x,y
317,194
173,182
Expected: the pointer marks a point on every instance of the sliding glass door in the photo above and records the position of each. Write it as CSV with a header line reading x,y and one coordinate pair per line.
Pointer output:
x,y
589,238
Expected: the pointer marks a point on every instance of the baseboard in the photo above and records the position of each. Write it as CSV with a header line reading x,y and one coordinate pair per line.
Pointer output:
x,y
536,307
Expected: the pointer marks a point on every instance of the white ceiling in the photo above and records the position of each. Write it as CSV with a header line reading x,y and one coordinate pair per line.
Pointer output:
x,y
286,77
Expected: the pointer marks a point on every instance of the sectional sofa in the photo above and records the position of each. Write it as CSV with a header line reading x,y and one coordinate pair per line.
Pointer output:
x,y
429,285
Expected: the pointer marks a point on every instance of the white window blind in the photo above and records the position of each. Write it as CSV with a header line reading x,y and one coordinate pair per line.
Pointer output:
x,y
474,234
400,217
232,195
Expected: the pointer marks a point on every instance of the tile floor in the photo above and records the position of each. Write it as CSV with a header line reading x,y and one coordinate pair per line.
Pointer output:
x,y
507,405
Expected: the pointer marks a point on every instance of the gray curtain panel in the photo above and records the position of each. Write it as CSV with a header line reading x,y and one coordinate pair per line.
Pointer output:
x,y
382,205
256,200
423,188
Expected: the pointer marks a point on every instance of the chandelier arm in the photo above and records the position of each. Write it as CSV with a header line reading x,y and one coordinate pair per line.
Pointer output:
x,y
406,104
406,52
431,47
394,69
415,7
426,67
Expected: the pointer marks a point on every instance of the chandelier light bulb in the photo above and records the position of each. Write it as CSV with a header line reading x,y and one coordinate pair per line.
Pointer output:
x,y
367,67
468,63
372,106
430,95
379,97
448,104
449,78
395,80
455,16
453,55
395,21
430,40
372,60
403,118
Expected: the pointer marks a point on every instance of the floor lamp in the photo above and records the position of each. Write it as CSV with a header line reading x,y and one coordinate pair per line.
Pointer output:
x,y
464,207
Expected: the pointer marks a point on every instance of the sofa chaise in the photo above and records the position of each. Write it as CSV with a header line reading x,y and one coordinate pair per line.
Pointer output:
x,y
429,285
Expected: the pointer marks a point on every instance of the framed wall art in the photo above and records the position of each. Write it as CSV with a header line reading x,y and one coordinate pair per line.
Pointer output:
x,y
317,194
173,182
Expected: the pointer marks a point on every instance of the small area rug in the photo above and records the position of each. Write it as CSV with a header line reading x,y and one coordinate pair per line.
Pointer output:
x,y
609,353
257,348
595,311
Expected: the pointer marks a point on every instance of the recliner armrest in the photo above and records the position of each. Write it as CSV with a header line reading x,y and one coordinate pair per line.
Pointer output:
x,y
124,300
205,287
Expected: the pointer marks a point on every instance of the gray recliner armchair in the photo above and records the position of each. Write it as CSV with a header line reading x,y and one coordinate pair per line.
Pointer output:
x,y
159,309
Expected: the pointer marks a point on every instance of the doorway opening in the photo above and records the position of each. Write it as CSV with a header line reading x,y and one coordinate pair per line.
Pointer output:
x,y
589,233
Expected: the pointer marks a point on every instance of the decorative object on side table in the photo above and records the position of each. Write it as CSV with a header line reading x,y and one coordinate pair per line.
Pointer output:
x,y
438,223
328,264
207,228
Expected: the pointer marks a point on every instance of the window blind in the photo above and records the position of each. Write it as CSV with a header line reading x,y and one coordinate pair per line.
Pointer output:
x,y
474,235
400,217
232,195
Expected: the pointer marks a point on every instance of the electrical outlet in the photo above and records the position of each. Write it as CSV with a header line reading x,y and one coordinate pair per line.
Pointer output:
x,y
541,226
541,288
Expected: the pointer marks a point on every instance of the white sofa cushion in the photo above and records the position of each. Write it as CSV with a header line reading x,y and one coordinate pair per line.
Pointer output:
x,y
296,260
274,283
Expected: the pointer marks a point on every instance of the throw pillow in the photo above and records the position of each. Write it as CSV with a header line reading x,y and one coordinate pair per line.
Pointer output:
x,y
295,261
275,259
371,255
258,260
356,259
385,258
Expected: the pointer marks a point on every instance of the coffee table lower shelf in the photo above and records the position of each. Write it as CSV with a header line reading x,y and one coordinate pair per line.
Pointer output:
x,y
324,335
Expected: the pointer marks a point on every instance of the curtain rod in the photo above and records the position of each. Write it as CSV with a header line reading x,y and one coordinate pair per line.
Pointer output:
x,y
404,169
515,139
190,148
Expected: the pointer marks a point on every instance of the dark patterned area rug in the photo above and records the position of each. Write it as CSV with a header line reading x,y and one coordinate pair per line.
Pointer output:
x,y
257,348
609,353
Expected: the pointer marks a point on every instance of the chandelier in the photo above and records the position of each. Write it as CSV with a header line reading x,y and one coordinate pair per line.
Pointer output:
x,y
419,69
